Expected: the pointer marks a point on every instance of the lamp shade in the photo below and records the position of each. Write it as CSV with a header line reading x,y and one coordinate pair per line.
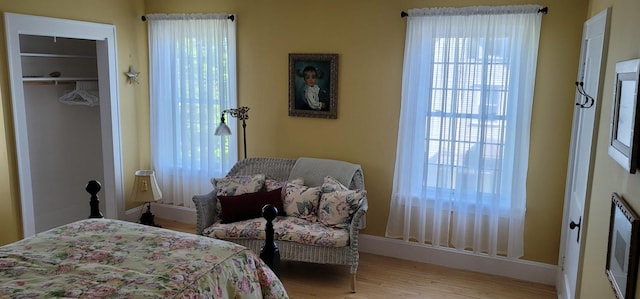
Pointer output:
x,y
241,113
145,187
223,130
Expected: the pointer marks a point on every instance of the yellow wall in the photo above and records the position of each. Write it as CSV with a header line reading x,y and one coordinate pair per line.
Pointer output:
x,y
9,208
608,176
368,35
134,99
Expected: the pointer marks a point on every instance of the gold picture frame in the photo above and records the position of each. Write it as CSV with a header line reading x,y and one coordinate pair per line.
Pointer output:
x,y
313,85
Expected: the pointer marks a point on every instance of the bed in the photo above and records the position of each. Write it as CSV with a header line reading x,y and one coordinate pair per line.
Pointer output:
x,y
106,258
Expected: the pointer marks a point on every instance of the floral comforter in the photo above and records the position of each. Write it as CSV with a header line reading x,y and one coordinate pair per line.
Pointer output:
x,y
102,258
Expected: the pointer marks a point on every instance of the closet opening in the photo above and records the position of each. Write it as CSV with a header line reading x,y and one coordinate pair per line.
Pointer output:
x,y
65,107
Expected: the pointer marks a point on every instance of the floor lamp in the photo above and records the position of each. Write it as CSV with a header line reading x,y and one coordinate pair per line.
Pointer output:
x,y
241,113
146,190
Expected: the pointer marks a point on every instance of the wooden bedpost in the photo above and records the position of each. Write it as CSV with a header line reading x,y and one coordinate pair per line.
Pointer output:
x,y
270,253
93,187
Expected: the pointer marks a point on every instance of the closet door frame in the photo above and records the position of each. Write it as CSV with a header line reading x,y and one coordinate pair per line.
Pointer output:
x,y
105,37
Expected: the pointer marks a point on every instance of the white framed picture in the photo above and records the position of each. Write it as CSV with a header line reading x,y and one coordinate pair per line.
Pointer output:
x,y
624,137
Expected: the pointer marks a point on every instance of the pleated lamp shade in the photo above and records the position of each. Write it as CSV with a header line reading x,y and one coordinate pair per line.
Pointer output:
x,y
145,187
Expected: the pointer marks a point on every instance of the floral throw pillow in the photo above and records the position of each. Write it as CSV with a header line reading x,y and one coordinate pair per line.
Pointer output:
x,y
271,184
301,201
337,203
229,186
331,184
335,208
238,184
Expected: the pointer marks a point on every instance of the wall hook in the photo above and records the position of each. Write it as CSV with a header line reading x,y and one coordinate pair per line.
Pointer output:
x,y
588,103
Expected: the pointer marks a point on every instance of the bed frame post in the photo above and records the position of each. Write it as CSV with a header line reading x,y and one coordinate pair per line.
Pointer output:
x,y
270,253
93,187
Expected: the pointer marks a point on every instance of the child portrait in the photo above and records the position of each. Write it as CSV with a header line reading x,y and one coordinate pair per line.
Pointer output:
x,y
310,95
312,85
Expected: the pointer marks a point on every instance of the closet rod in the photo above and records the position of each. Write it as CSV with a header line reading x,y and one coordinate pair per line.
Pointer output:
x,y
55,80
544,11
50,82
230,17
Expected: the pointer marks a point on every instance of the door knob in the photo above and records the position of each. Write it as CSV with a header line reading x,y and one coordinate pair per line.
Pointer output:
x,y
573,226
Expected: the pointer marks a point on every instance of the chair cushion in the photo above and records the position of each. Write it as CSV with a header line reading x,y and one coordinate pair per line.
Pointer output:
x,y
285,229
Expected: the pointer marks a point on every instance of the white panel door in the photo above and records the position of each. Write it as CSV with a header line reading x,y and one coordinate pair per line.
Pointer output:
x,y
583,142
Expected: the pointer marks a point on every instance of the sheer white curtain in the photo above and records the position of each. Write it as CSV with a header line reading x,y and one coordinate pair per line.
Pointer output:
x,y
463,139
192,80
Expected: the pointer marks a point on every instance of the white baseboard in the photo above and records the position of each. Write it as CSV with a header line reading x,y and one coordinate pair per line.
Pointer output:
x,y
164,211
451,258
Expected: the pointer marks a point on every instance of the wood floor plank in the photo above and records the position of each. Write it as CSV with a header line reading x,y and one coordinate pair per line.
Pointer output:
x,y
386,277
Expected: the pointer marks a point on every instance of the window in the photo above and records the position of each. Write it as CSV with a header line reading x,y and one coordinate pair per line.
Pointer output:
x,y
465,125
462,149
192,80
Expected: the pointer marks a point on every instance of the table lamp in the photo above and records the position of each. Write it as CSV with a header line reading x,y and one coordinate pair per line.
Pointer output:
x,y
146,190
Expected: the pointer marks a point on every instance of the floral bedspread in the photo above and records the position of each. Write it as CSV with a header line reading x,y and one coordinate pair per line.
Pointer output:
x,y
102,258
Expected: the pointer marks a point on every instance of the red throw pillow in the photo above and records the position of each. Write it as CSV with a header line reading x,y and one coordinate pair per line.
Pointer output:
x,y
249,205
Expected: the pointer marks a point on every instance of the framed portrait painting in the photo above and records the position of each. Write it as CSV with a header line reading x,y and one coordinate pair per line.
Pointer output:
x,y
313,85
622,253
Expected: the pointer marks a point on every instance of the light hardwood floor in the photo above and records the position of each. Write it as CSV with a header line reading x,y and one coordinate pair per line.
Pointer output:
x,y
385,277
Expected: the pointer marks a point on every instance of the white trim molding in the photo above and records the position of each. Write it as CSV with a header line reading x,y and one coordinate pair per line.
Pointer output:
x,y
110,173
452,258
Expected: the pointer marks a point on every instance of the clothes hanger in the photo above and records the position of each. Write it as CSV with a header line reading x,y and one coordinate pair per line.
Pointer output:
x,y
79,96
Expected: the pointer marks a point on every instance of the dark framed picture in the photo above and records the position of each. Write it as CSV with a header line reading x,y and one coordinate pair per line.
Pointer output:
x,y
622,252
624,137
313,85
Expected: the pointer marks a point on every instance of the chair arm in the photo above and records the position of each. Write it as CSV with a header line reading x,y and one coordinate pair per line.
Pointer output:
x,y
205,210
358,222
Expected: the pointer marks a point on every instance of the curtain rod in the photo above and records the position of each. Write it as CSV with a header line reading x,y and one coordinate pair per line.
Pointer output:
x,y
544,10
230,17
